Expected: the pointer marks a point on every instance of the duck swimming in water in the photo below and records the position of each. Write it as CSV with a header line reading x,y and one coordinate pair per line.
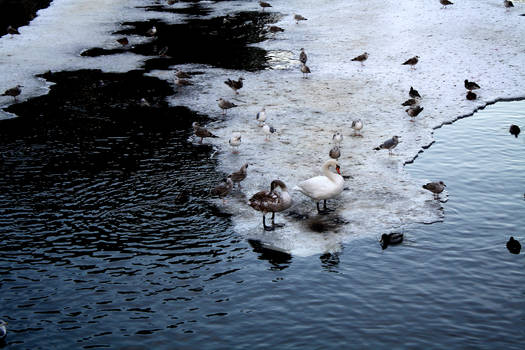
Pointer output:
x,y
390,238
271,201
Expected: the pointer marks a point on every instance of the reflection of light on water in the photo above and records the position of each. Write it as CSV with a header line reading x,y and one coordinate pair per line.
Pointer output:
x,y
282,59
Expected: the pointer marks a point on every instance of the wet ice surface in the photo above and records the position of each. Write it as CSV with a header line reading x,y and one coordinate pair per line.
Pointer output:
x,y
470,40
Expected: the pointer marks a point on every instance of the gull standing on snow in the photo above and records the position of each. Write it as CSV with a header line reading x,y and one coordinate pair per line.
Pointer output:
x,y
223,189
470,85
268,131
445,3
201,132
389,144
235,142
337,138
435,187
299,18
235,84
361,58
335,152
305,70
264,4
302,57
413,112
13,92
412,62
225,105
240,175
357,125
261,117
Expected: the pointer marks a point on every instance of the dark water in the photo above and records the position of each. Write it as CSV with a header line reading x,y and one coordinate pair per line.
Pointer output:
x,y
108,239
17,13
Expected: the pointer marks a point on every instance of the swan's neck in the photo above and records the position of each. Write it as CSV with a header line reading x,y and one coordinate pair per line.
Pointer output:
x,y
326,171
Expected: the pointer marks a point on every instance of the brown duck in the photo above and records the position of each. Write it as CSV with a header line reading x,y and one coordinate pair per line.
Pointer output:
x,y
272,201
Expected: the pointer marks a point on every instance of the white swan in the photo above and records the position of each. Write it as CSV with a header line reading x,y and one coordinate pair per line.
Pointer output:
x,y
325,186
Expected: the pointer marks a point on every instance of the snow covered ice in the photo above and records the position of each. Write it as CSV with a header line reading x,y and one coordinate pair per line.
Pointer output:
x,y
474,40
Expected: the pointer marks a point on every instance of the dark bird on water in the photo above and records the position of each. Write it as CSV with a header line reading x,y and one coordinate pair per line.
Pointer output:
x,y
240,175
272,201
513,246
302,56
414,111
361,58
414,93
201,132
299,18
471,96
223,189
123,41
410,102
470,85
412,62
389,144
445,3
12,30
435,187
514,130
235,84
13,92
264,4
390,239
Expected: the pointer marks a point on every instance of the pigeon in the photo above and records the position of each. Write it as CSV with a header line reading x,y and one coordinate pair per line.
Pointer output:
x,y
514,130
223,189
201,132
261,116
235,84
13,92
264,4
299,18
413,112
335,152
357,125
513,246
305,70
470,85
389,144
361,58
412,62
240,175
445,3
268,131
414,93
235,142
225,105
471,96
302,56
390,239
435,187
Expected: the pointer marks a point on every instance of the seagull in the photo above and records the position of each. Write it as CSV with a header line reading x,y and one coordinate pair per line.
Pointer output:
x,y
3,329
123,41
390,238
12,30
305,70
508,4
435,187
13,92
201,132
445,3
275,29
240,175
361,58
410,102
302,56
182,75
225,105
337,138
514,130
264,4
235,142
413,112
152,31
389,144
471,96
299,18
144,103
470,85
357,125
268,131
235,84
414,93
412,62
261,116
223,189
513,246
335,152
